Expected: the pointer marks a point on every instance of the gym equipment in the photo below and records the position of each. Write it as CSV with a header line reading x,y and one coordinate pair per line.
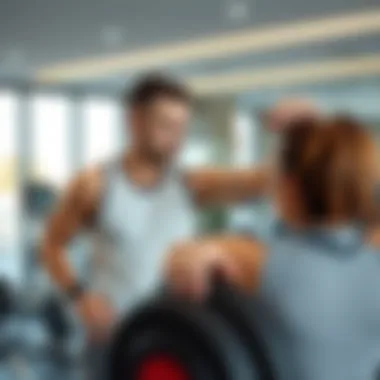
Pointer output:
x,y
7,309
38,198
7,302
56,318
171,339
36,330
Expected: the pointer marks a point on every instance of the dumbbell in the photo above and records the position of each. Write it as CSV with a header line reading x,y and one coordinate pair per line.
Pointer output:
x,y
172,339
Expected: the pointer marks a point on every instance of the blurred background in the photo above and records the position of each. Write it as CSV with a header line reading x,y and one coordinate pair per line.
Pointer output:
x,y
64,64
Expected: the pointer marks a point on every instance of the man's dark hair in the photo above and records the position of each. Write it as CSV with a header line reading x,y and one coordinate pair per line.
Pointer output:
x,y
153,86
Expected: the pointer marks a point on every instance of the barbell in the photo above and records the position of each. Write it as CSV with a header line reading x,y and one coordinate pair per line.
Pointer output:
x,y
170,338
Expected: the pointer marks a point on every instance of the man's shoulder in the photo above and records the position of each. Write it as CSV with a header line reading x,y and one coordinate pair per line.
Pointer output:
x,y
87,184
88,177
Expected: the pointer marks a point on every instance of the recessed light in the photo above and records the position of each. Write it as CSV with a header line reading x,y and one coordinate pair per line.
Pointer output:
x,y
112,36
238,11
15,57
14,61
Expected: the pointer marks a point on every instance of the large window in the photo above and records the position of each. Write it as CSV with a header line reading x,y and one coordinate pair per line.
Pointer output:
x,y
199,147
50,140
102,137
54,143
9,193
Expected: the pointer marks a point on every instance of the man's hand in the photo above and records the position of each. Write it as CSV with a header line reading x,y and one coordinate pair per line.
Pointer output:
x,y
97,316
289,110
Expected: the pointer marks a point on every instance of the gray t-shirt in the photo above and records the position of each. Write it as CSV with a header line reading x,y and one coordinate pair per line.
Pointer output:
x,y
318,306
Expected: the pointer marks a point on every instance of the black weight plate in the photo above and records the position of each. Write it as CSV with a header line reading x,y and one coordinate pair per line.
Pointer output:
x,y
204,331
233,307
159,342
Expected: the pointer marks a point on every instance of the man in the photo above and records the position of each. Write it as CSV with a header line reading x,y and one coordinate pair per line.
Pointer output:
x,y
138,206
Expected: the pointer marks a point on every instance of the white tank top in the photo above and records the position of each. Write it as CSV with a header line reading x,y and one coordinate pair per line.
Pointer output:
x,y
135,229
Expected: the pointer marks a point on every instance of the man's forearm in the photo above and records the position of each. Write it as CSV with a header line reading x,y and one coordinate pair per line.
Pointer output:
x,y
76,206
230,186
56,263
248,184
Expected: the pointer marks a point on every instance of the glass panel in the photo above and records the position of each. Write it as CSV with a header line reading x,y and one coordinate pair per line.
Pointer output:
x,y
102,130
9,189
50,140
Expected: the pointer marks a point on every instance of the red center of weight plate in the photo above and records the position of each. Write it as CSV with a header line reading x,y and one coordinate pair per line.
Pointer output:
x,y
162,367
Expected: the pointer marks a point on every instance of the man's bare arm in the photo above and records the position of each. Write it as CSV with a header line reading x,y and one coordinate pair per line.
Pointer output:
x,y
213,186
77,206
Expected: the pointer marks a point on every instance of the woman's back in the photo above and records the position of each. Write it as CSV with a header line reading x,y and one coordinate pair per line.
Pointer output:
x,y
315,285
318,305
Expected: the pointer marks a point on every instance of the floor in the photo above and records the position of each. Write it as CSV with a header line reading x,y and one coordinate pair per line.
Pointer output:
x,y
27,352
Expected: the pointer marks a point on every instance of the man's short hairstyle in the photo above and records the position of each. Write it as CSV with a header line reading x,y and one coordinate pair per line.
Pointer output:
x,y
153,86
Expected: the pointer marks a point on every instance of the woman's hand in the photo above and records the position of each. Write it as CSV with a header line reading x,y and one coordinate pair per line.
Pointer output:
x,y
192,266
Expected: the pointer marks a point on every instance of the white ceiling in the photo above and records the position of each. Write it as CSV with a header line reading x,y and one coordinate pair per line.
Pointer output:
x,y
38,33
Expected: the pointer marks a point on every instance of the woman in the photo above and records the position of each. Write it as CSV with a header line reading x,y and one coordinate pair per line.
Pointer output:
x,y
316,284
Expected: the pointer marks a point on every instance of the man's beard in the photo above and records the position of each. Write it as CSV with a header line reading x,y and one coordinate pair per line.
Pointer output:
x,y
157,157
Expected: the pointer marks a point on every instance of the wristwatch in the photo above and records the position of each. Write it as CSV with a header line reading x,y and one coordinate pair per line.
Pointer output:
x,y
75,291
